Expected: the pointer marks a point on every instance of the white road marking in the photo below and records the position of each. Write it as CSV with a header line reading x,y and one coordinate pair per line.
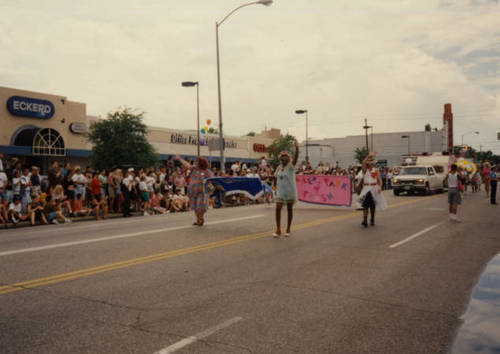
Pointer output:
x,y
115,237
51,229
190,340
435,209
416,235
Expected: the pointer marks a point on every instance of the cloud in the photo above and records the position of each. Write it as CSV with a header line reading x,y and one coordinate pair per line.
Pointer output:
x,y
396,62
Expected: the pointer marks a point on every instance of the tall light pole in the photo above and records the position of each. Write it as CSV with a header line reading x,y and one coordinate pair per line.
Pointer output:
x,y
304,111
366,127
407,137
197,84
217,25
477,133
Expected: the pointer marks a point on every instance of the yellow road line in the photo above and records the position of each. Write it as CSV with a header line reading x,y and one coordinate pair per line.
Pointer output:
x,y
59,278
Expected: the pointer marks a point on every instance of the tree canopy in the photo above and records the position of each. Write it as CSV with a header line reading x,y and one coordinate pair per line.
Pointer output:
x,y
120,140
284,142
479,156
361,153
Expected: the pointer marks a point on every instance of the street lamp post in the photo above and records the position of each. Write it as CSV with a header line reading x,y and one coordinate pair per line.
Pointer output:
x,y
407,137
477,133
197,84
304,111
217,25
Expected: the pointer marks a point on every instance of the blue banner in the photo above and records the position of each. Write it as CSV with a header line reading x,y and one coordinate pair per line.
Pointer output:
x,y
249,186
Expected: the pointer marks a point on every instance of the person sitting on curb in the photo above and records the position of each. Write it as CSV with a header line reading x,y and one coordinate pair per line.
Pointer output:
x,y
16,211
79,210
35,210
51,212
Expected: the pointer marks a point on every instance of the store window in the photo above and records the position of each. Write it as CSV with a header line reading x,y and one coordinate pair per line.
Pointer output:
x,y
48,142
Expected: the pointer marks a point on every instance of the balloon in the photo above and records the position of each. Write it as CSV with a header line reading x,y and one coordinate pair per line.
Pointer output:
x,y
209,121
205,127
203,131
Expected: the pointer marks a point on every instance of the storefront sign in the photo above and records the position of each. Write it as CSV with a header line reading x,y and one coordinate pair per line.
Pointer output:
x,y
30,107
78,128
260,148
193,140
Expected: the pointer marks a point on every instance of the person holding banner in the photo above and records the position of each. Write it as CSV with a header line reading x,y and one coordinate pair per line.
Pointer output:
x,y
198,198
286,188
371,193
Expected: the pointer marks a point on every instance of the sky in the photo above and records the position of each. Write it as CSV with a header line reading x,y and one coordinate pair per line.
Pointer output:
x,y
396,62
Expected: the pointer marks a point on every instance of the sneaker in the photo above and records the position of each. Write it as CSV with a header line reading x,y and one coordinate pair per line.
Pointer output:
x,y
67,221
146,213
55,222
14,220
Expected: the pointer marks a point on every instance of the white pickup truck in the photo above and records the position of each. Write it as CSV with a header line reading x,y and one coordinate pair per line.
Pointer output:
x,y
418,179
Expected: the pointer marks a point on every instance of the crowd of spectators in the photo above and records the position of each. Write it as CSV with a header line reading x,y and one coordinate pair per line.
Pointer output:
x,y
68,191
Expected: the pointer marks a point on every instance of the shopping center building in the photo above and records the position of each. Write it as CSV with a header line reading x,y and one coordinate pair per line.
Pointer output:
x,y
40,128
392,148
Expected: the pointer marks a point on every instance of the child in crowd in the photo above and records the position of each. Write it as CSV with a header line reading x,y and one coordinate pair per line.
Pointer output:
x,y
60,199
52,213
166,201
144,189
155,204
16,211
180,202
79,210
35,210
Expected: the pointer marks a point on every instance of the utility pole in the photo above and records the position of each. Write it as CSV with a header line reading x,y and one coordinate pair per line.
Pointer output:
x,y
366,127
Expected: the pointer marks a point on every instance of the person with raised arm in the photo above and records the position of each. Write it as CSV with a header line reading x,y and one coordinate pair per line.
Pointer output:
x,y
286,188
371,193
198,198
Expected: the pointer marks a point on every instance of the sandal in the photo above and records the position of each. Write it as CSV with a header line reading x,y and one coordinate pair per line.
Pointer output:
x,y
276,235
288,234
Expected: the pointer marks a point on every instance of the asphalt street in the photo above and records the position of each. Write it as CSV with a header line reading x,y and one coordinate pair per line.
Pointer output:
x,y
158,284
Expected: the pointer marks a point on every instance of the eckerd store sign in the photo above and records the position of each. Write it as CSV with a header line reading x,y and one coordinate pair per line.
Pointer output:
x,y
30,107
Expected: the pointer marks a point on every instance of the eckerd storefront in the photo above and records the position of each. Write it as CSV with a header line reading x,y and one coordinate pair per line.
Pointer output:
x,y
40,127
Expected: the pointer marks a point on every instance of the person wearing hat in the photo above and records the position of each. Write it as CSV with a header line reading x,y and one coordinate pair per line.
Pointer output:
x,y
371,193
198,197
286,189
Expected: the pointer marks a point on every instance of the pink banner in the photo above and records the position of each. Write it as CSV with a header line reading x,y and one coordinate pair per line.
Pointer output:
x,y
326,190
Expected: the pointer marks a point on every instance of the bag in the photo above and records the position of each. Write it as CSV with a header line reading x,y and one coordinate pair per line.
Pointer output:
x,y
460,186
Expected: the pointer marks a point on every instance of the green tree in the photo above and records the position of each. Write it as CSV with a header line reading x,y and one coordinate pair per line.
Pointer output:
x,y
251,134
361,153
120,139
284,142
213,130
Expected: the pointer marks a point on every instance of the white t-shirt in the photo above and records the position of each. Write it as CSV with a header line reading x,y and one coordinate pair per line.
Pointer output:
x,y
3,179
127,181
16,185
143,187
235,168
150,181
25,181
16,207
79,178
